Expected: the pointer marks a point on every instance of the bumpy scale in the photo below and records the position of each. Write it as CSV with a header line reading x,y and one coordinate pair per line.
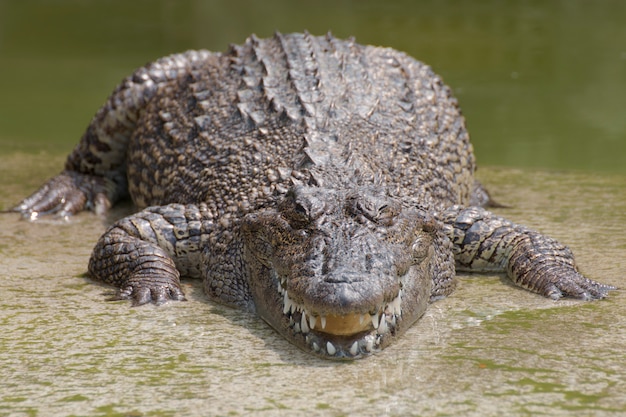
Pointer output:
x,y
325,185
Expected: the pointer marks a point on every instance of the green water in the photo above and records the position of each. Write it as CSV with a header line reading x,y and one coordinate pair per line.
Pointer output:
x,y
542,83
543,87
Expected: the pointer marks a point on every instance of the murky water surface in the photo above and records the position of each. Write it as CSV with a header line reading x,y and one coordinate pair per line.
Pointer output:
x,y
542,85
489,347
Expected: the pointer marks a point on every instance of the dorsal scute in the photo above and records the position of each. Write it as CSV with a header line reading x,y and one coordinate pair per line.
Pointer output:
x,y
354,107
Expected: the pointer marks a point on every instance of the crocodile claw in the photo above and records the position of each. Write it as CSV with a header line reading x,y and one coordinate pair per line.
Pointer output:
x,y
566,282
66,194
145,293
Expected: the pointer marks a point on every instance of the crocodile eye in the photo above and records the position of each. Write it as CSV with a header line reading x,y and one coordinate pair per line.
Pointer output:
x,y
363,209
386,214
297,215
301,210
369,210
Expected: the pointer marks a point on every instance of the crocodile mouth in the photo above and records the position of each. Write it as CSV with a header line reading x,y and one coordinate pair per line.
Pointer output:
x,y
350,335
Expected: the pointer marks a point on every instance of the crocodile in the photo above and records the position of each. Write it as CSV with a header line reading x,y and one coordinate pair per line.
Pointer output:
x,y
324,185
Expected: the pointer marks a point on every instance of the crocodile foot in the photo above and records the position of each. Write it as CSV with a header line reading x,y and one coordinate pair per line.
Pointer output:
x,y
67,194
556,277
567,282
149,289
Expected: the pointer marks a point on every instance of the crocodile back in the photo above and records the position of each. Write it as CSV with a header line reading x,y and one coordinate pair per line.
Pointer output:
x,y
240,129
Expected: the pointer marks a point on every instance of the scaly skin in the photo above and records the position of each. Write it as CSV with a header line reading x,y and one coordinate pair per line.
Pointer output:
x,y
325,185
484,242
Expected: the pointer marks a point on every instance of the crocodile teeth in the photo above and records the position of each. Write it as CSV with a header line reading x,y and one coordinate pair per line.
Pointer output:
x,y
394,308
323,321
382,326
304,326
396,305
312,320
354,349
287,303
375,321
330,348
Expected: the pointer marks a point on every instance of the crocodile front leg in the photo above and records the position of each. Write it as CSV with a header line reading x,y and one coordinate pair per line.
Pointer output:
x,y
485,242
95,171
70,192
145,254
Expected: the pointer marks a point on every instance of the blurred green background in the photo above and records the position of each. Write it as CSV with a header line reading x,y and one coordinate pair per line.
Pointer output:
x,y
542,83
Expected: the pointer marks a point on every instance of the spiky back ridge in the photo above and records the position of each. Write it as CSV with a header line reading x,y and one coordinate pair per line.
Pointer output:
x,y
371,112
236,130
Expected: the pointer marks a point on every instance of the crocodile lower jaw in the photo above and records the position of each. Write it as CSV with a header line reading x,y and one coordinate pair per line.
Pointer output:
x,y
361,333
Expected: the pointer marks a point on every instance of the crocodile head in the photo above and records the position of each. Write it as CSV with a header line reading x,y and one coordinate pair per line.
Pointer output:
x,y
339,273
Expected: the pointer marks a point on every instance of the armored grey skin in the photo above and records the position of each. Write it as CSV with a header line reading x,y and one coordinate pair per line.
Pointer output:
x,y
325,185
